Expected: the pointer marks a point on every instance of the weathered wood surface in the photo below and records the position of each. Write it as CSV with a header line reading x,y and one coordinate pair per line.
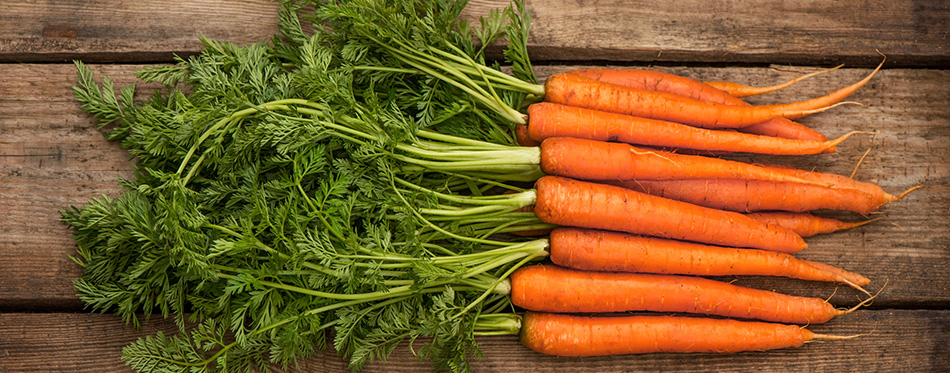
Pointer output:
x,y
912,33
120,30
62,342
52,156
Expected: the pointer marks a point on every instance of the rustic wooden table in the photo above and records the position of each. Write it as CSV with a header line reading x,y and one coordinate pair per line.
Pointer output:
x,y
52,156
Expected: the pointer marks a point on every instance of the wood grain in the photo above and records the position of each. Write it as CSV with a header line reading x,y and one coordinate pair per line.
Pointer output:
x,y
797,32
127,31
93,342
51,157
912,33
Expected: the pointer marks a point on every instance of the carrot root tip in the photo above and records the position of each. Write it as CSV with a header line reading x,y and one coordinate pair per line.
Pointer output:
x,y
855,286
863,303
908,191
836,337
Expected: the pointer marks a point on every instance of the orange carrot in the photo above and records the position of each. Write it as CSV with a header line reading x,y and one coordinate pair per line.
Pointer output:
x,y
739,90
755,195
784,127
711,93
598,160
832,97
567,202
547,120
683,86
805,224
599,250
657,81
575,90
529,232
569,335
550,288
522,137
708,153
877,196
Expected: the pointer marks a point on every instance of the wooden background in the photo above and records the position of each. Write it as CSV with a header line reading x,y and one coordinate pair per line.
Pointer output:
x,y
52,156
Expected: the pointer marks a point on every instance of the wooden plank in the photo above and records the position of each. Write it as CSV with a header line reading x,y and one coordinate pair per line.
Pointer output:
x,y
748,32
69,341
52,157
892,340
800,32
127,31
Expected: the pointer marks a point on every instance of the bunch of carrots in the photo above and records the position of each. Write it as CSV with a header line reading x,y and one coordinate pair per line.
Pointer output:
x,y
639,203
638,242
629,198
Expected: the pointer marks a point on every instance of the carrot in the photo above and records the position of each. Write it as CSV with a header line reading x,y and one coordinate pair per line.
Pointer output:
x,y
708,153
547,120
752,195
756,195
569,335
739,90
598,160
566,202
671,83
599,250
832,97
784,127
550,288
657,81
877,196
522,137
529,232
711,93
805,224
575,90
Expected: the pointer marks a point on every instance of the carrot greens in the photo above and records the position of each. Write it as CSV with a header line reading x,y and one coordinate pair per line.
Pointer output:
x,y
284,195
